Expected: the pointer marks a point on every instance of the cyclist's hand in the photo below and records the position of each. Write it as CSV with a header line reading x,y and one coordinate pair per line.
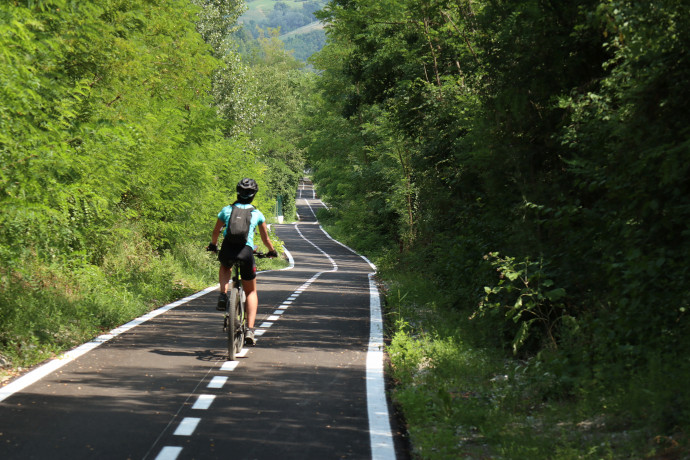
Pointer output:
x,y
273,253
212,247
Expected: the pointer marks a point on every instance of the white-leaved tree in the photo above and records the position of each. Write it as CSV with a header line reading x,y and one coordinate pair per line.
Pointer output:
x,y
236,94
217,20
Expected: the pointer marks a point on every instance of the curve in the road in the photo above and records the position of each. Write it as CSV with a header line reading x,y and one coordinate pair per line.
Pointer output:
x,y
380,435
180,426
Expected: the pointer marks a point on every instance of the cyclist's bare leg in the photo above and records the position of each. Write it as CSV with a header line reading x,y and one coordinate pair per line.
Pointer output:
x,y
224,275
252,300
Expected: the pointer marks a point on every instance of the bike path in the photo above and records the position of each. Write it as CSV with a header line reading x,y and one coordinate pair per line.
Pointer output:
x,y
300,393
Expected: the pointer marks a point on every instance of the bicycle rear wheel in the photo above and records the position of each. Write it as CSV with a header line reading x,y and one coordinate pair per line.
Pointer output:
x,y
232,322
235,329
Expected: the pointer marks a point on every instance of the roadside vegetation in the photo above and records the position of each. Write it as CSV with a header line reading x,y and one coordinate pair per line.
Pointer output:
x,y
124,127
518,170
519,173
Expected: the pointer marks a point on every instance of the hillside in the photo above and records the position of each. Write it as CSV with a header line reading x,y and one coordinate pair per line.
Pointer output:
x,y
299,29
312,27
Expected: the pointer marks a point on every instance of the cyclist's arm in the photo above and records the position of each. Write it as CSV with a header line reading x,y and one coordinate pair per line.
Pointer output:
x,y
216,231
263,231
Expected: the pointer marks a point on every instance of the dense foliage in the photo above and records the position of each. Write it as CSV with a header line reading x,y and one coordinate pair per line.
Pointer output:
x,y
519,167
124,127
533,158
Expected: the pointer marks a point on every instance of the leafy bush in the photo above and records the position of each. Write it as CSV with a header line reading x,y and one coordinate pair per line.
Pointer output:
x,y
528,297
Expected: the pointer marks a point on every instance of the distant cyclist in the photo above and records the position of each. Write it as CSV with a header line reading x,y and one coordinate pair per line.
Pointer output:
x,y
241,252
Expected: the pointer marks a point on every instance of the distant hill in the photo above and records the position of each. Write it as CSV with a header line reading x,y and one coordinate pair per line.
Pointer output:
x,y
314,26
299,29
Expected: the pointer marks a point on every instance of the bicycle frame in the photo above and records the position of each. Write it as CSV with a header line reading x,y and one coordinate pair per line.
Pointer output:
x,y
235,318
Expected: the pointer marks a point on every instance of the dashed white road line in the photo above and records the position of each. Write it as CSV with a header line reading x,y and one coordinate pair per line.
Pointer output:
x,y
229,365
217,382
243,352
187,426
169,453
203,402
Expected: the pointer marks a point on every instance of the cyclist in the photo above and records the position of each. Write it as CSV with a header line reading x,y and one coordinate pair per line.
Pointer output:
x,y
243,253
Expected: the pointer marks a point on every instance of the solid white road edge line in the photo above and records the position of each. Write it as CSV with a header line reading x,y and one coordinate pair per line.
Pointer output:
x,y
290,260
380,434
51,366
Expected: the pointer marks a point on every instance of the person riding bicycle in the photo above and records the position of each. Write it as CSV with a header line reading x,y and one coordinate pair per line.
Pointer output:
x,y
242,253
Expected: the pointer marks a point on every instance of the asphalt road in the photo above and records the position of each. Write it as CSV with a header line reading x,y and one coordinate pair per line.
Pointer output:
x,y
312,388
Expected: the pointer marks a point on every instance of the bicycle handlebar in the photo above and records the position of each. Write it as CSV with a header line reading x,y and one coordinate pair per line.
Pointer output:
x,y
259,255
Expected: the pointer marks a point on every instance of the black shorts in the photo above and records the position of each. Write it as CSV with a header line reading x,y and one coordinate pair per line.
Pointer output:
x,y
244,254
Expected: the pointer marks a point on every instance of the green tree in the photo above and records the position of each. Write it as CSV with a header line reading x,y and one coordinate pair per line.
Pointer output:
x,y
112,163
281,86
543,131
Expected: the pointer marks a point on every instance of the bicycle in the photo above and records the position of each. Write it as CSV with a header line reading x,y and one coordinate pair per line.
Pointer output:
x,y
235,318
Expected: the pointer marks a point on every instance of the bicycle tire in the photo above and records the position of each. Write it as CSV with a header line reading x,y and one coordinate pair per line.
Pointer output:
x,y
241,332
232,325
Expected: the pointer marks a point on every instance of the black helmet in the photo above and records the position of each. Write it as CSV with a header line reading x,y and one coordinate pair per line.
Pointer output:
x,y
246,189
